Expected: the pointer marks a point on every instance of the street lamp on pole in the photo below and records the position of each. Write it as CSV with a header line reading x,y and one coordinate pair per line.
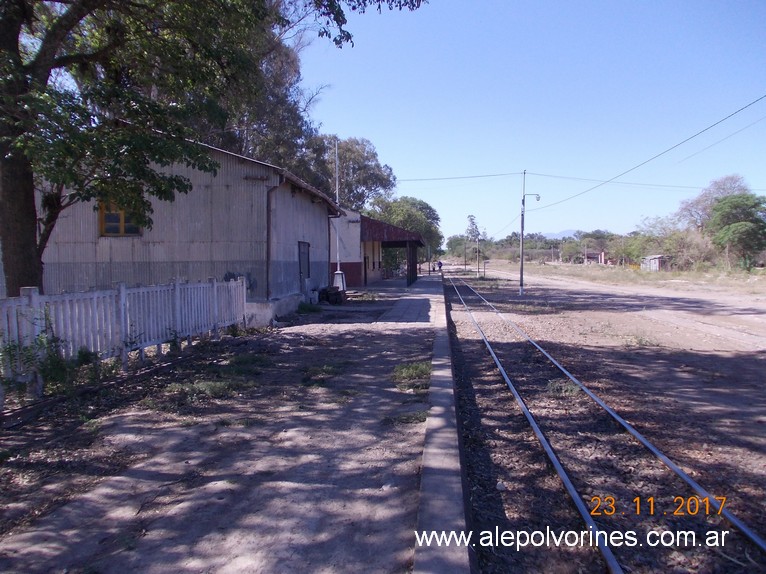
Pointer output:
x,y
521,239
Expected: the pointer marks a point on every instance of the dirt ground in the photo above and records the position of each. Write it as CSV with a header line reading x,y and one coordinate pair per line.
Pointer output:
x,y
683,363
294,450
286,450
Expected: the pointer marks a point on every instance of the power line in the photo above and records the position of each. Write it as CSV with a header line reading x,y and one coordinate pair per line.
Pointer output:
x,y
657,185
571,178
723,139
506,226
461,177
567,177
643,163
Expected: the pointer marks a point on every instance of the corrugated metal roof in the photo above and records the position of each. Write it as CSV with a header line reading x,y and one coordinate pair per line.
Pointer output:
x,y
292,178
374,230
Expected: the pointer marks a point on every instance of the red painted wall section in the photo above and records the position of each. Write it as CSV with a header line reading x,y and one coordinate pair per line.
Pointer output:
x,y
353,271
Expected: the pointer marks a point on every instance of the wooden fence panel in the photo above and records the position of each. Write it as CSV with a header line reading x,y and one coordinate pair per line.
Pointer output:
x,y
114,322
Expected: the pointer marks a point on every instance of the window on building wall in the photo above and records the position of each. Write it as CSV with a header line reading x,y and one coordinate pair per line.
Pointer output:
x,y
114,222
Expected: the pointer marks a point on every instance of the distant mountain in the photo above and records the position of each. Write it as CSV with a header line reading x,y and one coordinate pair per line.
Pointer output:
x,y
560,234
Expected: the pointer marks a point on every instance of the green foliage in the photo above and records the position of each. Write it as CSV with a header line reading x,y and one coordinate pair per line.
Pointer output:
x,y
413,377
265,117
45,370
365,296
307,308
320,374
205,389
738,223
235,330
696,212
455,245
41,361
96,96
244,366
411,371
173,342
80,152
330,13
563,388
86,357
472,231
362,178
411,214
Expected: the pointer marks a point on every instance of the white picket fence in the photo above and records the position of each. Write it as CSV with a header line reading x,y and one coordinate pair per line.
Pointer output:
x,y
114,322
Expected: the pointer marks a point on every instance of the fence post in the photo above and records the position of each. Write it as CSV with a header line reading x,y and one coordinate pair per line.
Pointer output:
x,y
122,318
243,302
32,295
214,306
178,327
34,304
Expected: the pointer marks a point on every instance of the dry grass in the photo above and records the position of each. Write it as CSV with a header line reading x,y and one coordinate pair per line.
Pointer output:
x,y
739,281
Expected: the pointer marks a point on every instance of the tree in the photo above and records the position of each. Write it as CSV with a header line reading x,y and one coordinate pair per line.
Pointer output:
x,y
98,59
738,223
456,245
571,252
413,215
511,241
94,91
79,155
269,121
472,231
362,178
697,212
431,215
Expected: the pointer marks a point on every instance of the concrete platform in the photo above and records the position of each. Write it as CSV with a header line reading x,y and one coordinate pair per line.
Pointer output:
x,y
441,506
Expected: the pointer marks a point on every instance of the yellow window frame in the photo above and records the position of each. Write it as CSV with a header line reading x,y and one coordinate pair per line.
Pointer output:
x,y
114,222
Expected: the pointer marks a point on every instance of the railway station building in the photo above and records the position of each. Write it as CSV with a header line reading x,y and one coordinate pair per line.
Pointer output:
x,y
360,241
250,219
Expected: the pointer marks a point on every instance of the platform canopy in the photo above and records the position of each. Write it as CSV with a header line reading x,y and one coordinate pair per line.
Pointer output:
x,y
391,236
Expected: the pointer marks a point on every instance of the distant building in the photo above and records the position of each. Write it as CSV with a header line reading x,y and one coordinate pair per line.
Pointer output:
x,y
655,263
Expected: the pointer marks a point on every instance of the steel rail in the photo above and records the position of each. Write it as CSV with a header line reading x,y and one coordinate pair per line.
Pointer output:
x,y
702,492
609,557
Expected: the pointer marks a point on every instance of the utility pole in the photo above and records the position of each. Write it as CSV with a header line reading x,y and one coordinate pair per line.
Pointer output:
x,y
521,239
337,200
339,280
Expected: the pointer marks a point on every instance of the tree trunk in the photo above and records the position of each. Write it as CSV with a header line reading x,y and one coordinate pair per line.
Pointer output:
x,y
22,265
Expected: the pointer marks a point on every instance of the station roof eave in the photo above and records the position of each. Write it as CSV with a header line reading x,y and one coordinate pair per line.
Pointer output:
x,y
389,235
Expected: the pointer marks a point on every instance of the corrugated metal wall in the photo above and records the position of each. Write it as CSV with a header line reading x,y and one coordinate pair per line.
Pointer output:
x,y
295,217
2,275
349,227
219,228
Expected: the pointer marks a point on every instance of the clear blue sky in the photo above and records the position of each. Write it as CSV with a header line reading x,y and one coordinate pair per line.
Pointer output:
x,y
563,90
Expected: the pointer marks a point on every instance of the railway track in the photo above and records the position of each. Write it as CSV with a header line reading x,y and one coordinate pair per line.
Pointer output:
x,y
640,509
